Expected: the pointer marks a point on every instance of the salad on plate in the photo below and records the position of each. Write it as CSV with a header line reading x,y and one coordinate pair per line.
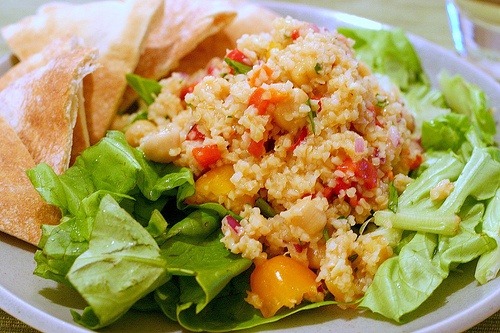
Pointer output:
x,y
291,167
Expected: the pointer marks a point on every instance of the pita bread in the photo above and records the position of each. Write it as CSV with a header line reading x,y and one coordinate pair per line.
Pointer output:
x,y
116,28
181,27
81,139
42,105
23,210
251,19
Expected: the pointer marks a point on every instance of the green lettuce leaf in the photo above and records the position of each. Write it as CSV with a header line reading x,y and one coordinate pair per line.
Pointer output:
x,y
123,236
426,103
147,89
488,264
402,283
109,167
445,132
121,265
388,52
467,99
201,265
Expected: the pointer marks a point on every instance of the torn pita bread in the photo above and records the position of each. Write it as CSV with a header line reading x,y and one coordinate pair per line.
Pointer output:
x,y
42,105
251,19
23,209
116,28
81,139
182,26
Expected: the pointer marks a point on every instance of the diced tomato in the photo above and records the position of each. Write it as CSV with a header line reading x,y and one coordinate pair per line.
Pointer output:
x,y
194,134
320,107
367,171
186,90
298,247
207,155
295,34
211,70
416,162
353,201
256,99
301,135
327,193
262,98
256,148
347,165
263,72
362,169
341,185
239,56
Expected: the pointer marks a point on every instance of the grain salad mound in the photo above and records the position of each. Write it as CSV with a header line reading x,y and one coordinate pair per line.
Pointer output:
x,y
300,139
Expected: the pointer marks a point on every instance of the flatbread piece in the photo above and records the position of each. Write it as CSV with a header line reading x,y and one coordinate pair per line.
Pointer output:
x,y
23,209
116,28
81,139
42,105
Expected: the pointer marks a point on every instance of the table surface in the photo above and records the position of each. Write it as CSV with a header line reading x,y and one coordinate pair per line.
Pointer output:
x,y
427,19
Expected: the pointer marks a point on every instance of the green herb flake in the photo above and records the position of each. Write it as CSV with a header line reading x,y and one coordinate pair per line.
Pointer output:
x,y
312,114
265,208
381,100
318,68
393,197
238,67
326,235
141,115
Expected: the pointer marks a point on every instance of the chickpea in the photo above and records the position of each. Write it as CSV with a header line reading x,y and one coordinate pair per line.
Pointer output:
x,y
138,130
307,215
287,113
162,146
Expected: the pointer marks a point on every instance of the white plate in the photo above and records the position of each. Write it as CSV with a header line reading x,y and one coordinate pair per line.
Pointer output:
x,y
457,305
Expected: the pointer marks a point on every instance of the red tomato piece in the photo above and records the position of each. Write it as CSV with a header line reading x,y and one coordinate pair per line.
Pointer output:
x,y
239,56
206,155
194,134
186,90
347,165
340,185
416,162
301,135
367,171
256,149
256,99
